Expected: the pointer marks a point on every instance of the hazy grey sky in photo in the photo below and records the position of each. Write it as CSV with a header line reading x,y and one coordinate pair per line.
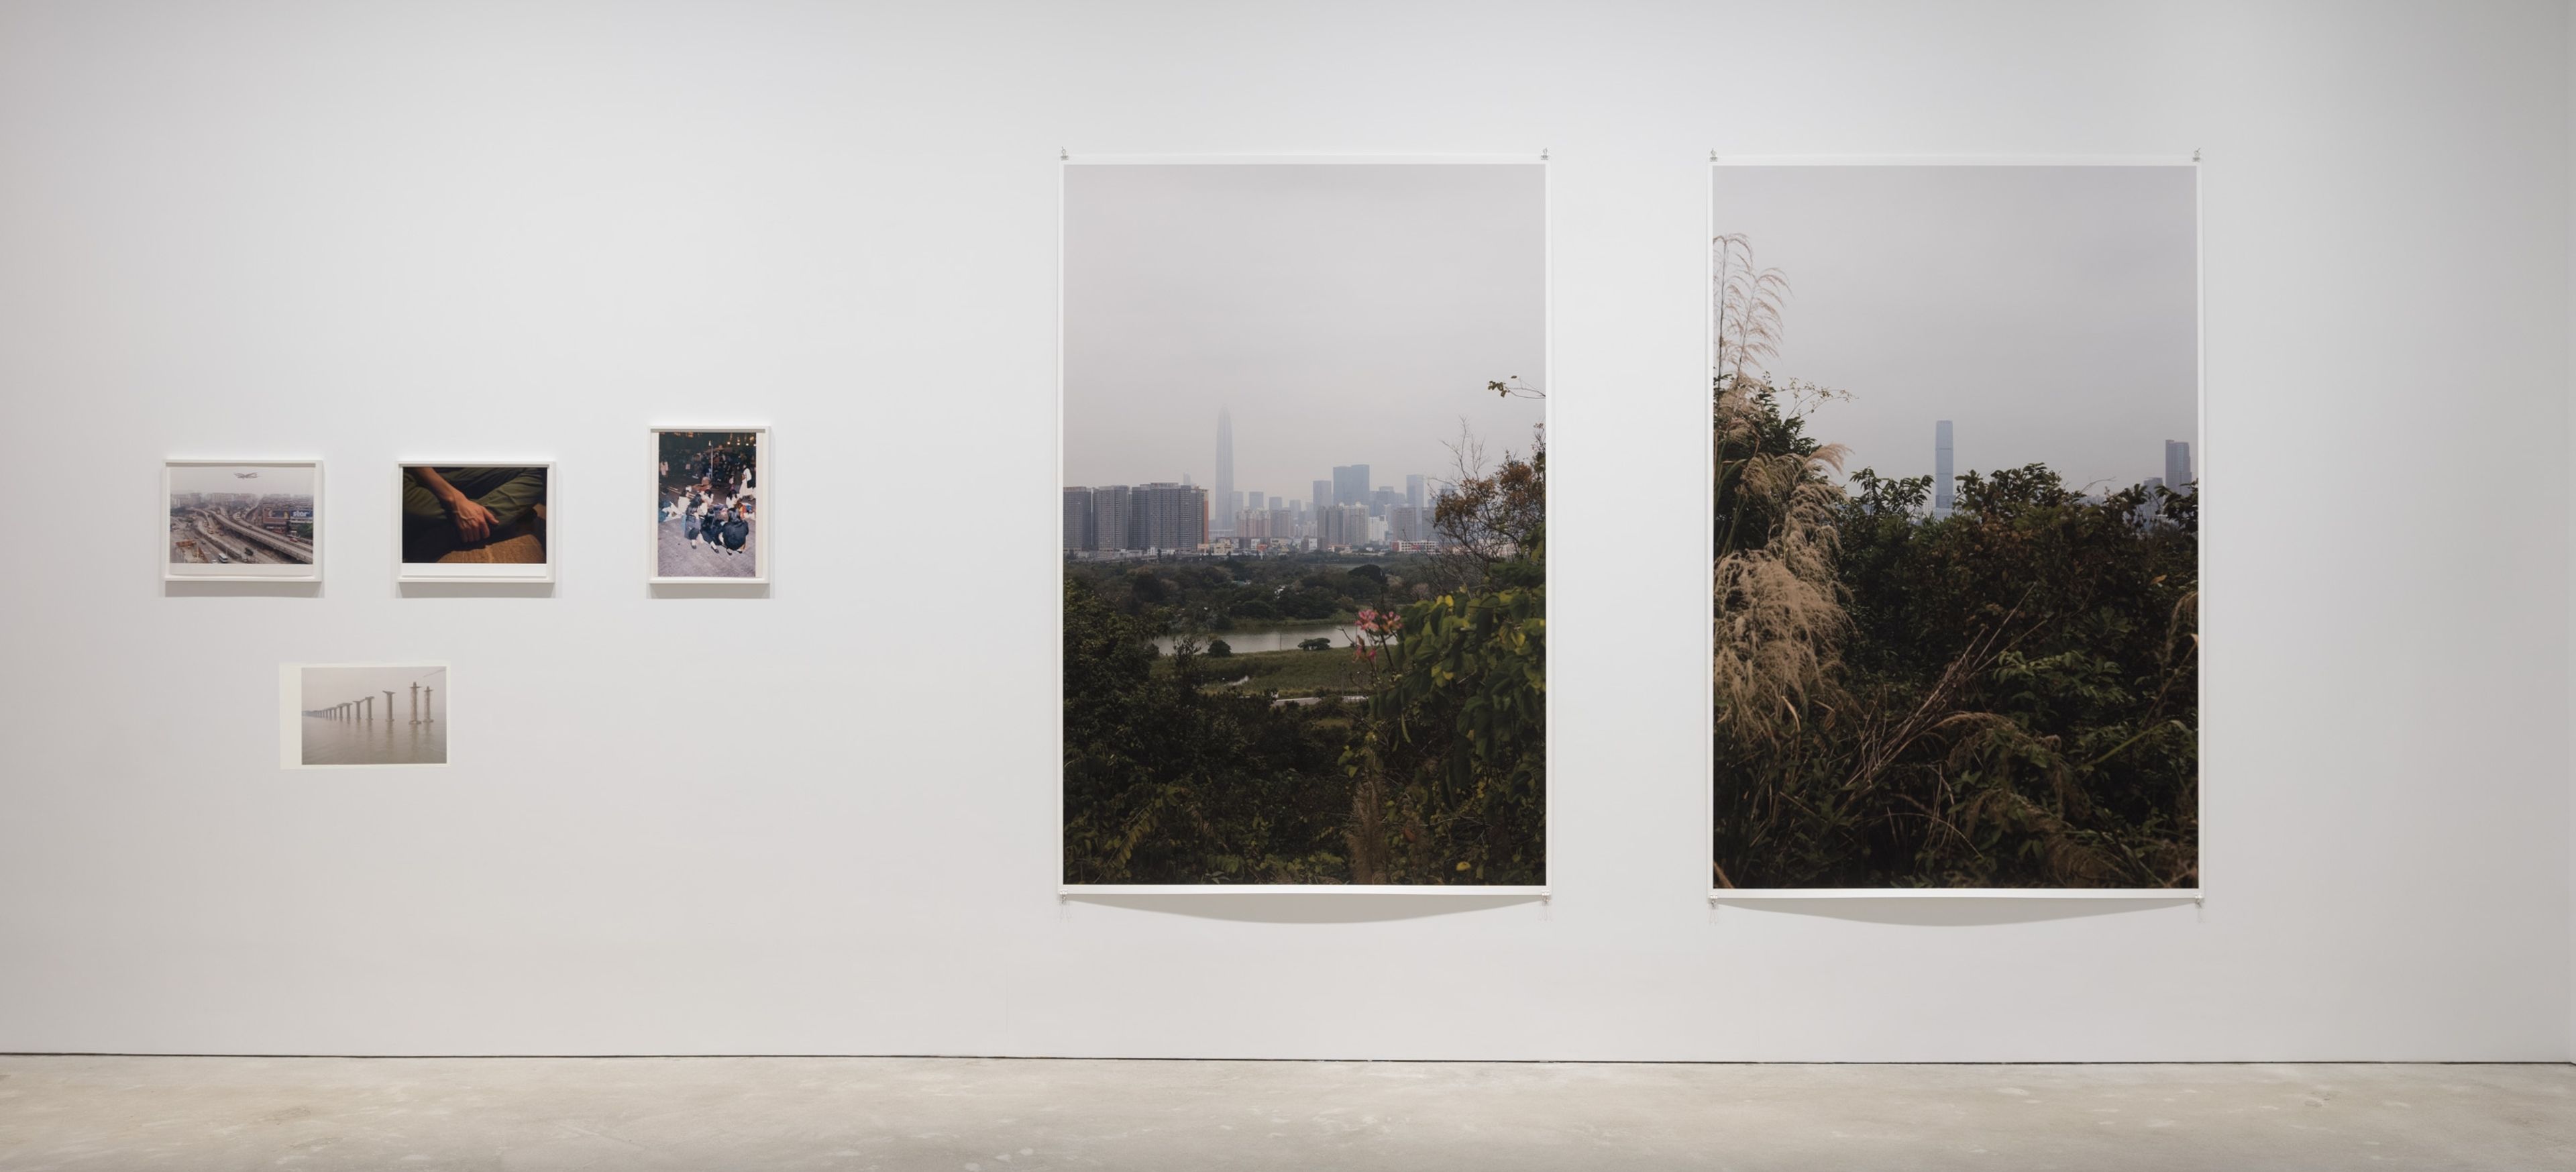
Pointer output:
x,y
1347,313
338,684
2049,312
220,478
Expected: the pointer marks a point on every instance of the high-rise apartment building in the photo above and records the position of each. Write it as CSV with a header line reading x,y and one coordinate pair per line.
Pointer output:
x,y
2178,477
1169,516
1413,490
1112,513
1078,529
1942,501
1408,523
1323,495
1343,527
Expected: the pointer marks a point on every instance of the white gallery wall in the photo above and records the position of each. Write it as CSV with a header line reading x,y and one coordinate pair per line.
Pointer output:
x,y
824,821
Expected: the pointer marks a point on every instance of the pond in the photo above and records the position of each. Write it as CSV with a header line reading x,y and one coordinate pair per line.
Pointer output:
x,y
1251,640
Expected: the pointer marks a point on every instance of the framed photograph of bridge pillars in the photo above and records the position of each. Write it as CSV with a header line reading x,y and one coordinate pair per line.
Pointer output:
x,y
1955,488
712,504
474,522
334,715
242,520
1302,412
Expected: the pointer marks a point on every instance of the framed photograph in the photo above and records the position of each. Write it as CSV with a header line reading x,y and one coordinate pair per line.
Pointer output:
x,y
340,714
243,520
712,502
474,522
1316,661
1955,497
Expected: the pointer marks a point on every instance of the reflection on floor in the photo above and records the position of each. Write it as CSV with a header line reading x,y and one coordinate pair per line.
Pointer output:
x,y
1014,1115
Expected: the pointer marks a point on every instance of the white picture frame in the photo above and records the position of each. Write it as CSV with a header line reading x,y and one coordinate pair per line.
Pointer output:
x,y
232,545
667,526
487,572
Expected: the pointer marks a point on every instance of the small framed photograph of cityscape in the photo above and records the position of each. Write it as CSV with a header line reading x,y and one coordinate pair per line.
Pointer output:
x,y
243,520
474,523
361,714
712,502
1303,455
1955,528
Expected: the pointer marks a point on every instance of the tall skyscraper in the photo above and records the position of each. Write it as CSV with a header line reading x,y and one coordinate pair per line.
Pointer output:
x,y
1941,498
1323,495
1413,490
1112,508
2178,478
1351,484
1078,530
1227,503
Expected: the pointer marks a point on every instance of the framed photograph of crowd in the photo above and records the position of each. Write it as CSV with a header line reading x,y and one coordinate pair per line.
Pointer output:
x,y
711,505
474,523
1303,566
342,714
1955,538
242,520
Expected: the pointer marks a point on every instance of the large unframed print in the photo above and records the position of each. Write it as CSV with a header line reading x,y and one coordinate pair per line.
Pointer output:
x,y
1304,548
1955,539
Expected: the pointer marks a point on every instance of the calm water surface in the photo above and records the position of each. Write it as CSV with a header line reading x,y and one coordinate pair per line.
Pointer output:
x,y
1246,642
374,742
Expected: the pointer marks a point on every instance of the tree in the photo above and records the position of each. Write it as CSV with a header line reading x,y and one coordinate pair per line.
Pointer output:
x,y
1450,765
2006,696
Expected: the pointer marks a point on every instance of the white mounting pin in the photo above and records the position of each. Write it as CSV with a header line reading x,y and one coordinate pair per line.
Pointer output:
x,y
2195,154
1542,154
1064,154
1712,156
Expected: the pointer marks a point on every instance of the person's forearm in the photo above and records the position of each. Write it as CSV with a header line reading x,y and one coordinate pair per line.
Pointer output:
x,y
437,485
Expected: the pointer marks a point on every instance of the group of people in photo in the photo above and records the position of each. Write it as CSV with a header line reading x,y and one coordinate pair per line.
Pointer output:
x,y
707,486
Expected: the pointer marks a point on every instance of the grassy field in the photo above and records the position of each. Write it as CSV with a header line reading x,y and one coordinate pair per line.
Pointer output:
x,y
1289,673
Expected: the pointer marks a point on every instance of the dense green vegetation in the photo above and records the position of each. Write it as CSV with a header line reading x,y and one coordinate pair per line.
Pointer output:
x,y
1205,594
2004,697
1179,769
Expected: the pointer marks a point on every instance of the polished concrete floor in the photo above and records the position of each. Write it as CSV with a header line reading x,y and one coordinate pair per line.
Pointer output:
x,y
989,1115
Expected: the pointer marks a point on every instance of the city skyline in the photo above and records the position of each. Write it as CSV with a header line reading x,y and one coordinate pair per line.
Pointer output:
x,y
228,479
1339,314
2051,312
